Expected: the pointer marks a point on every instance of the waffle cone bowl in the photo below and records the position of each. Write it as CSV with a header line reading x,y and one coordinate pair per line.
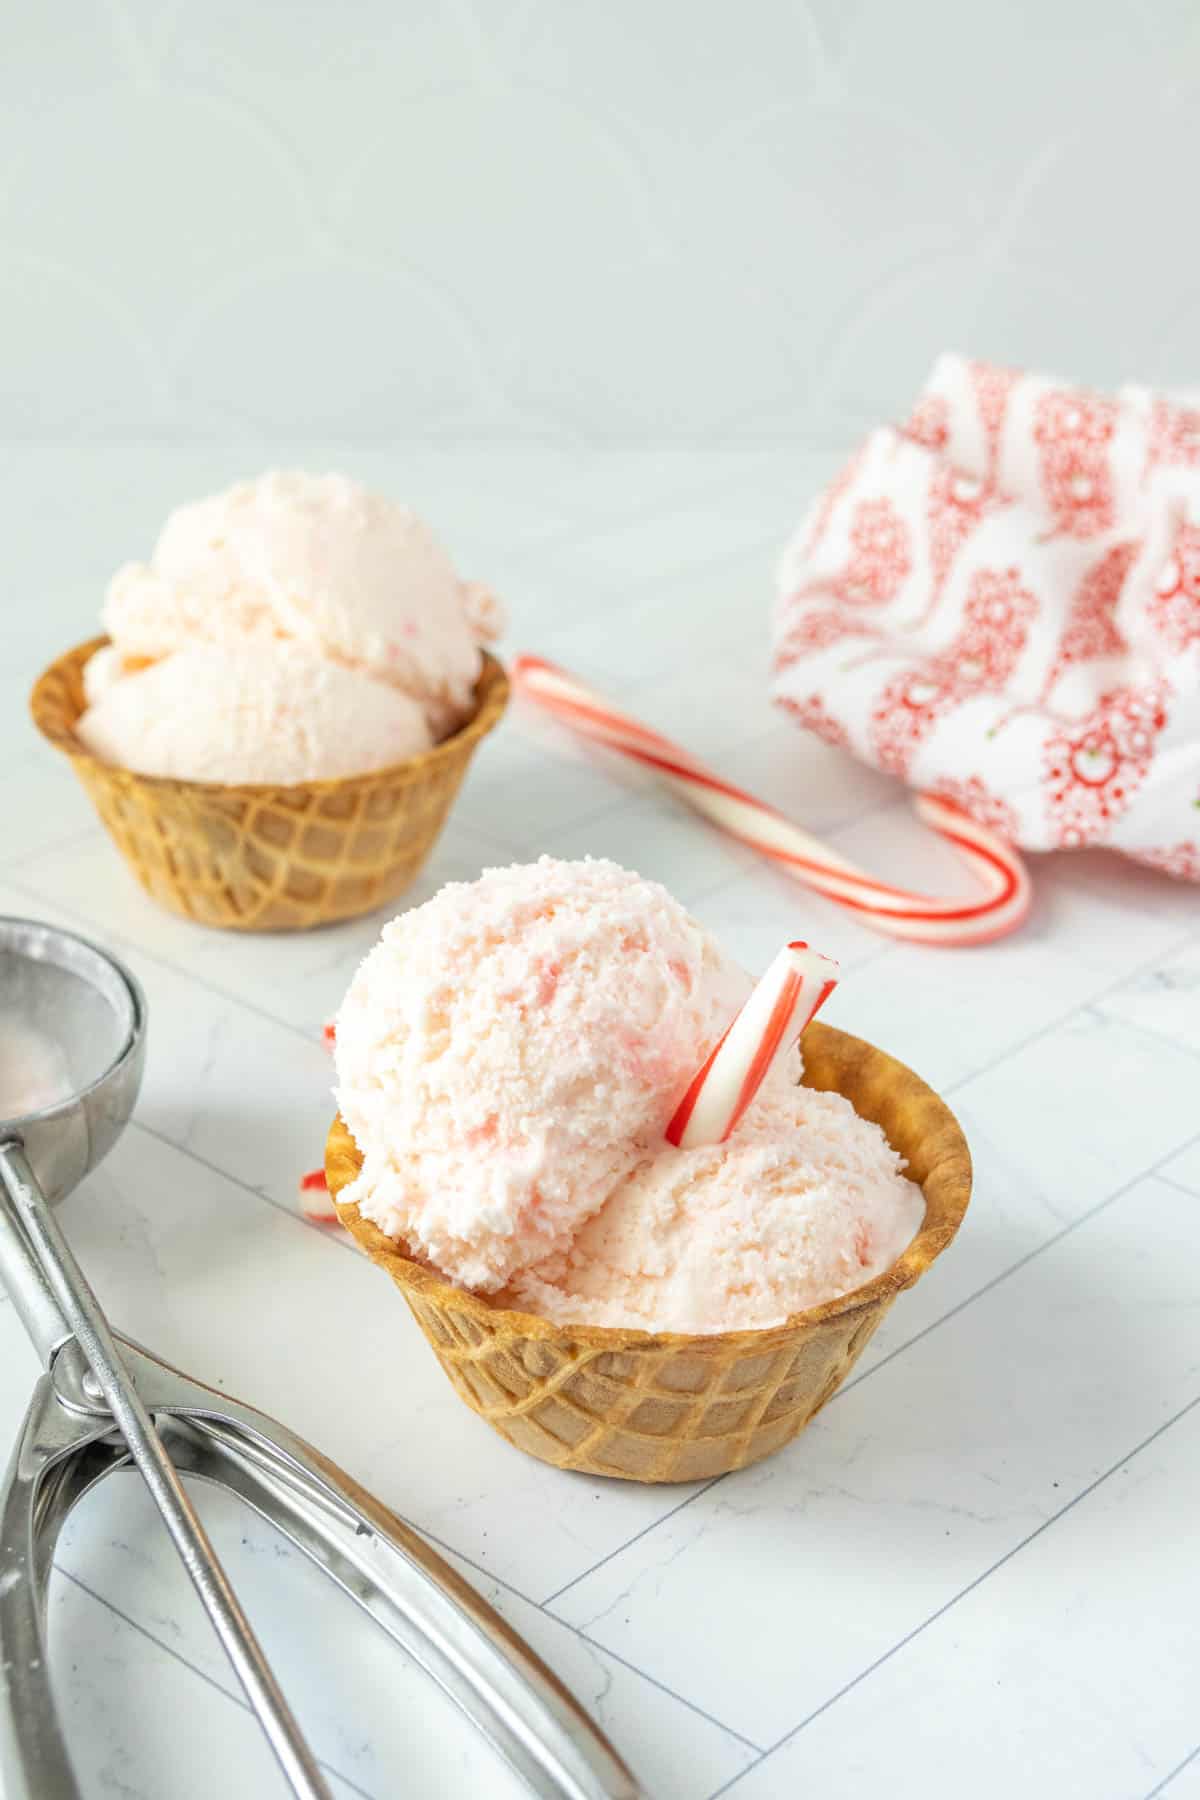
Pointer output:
x,y
266,858
666,1406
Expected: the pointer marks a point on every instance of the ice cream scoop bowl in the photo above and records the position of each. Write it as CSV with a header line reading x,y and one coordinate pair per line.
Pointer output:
x,y
76,1018
58,990
670,1406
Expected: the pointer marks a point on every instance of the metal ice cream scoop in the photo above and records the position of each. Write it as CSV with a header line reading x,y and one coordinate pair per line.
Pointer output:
x,y
72,1044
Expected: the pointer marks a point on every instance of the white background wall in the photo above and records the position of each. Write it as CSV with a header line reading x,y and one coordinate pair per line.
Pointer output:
x,y
585,221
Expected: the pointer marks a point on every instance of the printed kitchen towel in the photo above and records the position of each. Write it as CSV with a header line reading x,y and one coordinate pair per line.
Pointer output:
x,y
999,601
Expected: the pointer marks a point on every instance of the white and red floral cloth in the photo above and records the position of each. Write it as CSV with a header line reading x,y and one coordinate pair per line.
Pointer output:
x,y
999,601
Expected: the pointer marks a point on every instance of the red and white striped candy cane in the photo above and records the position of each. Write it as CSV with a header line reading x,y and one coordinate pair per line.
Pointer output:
x,y
787,998
315,1202
919,918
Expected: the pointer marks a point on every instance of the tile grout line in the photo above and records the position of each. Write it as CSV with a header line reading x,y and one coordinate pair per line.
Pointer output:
x,y
948,1605
1150,1031
662,1687
577,1631
1081,1006
1152,1173
944,1318
629,1542
1173,1181
1166,1781
193,1668
340,1239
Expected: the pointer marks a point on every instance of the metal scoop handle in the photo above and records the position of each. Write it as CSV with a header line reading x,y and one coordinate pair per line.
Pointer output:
x,y
389,1570
68,1444
57,1303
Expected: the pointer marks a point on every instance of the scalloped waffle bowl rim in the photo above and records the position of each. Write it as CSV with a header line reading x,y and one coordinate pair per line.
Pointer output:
x,y
670,1406
183,839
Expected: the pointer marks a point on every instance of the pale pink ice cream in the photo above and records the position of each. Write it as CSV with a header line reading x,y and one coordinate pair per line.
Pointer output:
x,y
315,562
252,713
509,1050
508,1058
804,1202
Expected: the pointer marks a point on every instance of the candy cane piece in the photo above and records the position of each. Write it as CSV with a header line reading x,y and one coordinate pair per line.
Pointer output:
x,y
313,1182
917,918
314,1198
790,994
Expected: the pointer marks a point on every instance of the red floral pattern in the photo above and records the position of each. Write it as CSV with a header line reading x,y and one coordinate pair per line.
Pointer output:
x,y
957,506
880,556
811,715
980,660
1091,628
882,637
1094,766
1174,610
993,385
816,631
1072,429
877,567
976,798
1174,437
929,423
840,485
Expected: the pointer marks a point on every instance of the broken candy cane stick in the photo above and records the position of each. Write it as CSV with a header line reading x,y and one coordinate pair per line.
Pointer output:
x,y
314,1198
919,918
790,994
314,1190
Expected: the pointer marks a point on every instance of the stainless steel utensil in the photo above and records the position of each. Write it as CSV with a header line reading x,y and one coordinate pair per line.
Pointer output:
x,y
104,1402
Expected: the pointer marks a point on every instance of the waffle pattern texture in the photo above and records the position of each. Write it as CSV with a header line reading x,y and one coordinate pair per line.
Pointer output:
x,y
261,858
666,1406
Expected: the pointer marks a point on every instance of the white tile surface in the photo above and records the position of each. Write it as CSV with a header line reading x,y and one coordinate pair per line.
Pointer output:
x,y
141,1724
43,807
703,1626
1185,1168
338,1674
1046,1661
950,1015
1183,1783
1165,998
919,1480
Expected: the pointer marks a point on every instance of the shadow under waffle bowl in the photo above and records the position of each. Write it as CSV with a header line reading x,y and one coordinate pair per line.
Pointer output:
x,y
666,1406
266,858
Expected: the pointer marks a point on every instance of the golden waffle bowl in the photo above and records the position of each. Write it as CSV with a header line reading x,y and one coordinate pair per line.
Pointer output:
x,y
666,1406
264,858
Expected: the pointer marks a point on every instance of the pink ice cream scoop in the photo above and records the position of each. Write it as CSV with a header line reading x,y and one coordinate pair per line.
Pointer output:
x,y
511,1049
321,564
509,1059
803,1202
251,712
